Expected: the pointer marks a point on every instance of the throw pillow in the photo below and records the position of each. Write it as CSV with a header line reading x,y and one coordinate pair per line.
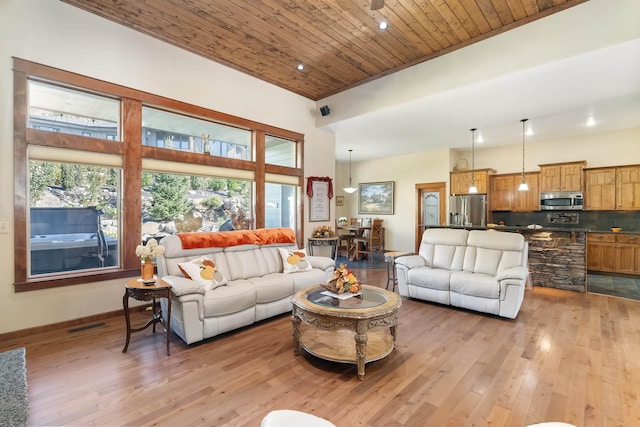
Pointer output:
x,y
203,271
294,260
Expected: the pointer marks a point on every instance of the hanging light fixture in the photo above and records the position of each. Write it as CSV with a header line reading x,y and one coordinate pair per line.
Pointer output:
x,y
473,188
523,185
350,189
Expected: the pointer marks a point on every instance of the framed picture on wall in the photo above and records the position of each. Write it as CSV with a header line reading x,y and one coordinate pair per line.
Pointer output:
x,y
375,198
339,200
319,203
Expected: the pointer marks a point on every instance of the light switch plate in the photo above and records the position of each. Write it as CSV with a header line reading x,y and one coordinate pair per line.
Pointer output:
x,y
4,227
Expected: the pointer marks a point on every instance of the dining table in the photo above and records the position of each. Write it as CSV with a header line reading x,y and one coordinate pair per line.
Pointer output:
x,y
356,231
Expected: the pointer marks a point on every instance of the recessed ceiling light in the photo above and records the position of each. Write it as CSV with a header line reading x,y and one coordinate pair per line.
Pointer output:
x,y
591,122
300,67
383,25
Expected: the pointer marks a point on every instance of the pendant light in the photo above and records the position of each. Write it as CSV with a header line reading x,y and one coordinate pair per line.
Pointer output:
x,y
350,189
523,185
473,188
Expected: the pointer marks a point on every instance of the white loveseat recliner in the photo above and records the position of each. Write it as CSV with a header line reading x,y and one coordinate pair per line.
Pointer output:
x,y
482,270
256,287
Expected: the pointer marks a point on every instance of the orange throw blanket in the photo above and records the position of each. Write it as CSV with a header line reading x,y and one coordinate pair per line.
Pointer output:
x,y
223,239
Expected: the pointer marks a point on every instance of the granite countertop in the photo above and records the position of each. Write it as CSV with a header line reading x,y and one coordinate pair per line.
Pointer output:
x,y
525,228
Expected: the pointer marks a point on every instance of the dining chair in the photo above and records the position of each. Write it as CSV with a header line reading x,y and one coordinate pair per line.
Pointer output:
x,y
372,242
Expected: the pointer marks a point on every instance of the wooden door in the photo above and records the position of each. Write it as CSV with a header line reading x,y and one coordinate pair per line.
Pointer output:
x,y
594,256
600,189
601,252
527,201
502,193
550,178
628,187
435,189
628,253
481,178
571,177
460,182
625,258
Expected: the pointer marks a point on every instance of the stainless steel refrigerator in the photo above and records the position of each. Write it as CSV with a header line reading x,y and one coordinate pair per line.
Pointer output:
x,y
469,210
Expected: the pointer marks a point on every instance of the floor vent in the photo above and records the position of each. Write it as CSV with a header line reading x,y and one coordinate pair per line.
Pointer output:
x,y
84,328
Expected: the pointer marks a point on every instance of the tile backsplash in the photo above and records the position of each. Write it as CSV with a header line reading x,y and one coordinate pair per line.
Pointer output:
x,y
593,220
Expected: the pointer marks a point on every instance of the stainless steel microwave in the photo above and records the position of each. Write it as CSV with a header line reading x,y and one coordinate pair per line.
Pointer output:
x,y
561,201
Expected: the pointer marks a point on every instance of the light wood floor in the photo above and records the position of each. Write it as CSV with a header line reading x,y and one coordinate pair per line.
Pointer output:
x,y
567,357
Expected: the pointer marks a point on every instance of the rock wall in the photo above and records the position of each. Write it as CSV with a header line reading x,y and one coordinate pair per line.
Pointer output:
x,y
557,259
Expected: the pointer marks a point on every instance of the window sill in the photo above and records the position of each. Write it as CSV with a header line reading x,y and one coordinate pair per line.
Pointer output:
x,y
76,279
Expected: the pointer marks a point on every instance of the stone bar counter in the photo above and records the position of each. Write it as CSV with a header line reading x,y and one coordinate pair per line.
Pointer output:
x,y
557,255
557,258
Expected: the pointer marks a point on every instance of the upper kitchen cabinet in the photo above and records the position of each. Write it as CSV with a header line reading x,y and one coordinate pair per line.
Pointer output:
x,y
562,176
628,187
600,189
505,195
613,188
461,181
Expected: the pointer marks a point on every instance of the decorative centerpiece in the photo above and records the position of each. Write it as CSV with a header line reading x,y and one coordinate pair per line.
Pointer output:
x,y
323,231
151,250
342,220
342,281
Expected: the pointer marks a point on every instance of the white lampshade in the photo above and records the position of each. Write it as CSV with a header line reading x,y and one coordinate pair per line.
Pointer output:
x,y
473,189
523,186
350,189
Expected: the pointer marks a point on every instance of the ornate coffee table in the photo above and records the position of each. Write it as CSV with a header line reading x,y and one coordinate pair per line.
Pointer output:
x,y
357,330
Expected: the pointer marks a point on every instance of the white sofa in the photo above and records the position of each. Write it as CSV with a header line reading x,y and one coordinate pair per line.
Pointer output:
x,y
256,287
482,270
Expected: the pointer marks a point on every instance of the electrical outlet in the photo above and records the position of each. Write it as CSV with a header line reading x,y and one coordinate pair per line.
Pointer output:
x,y
4,227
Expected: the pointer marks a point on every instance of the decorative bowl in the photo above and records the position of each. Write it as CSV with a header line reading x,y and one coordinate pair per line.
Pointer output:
x,y
616,229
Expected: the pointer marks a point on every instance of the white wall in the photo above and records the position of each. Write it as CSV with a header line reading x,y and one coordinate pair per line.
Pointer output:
x,y
56,34
406,171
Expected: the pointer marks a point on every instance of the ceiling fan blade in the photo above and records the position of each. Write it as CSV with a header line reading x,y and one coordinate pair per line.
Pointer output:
x,y
377,4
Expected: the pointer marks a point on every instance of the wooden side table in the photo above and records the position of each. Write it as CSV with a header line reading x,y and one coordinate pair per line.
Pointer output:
x,y
390,258
137,290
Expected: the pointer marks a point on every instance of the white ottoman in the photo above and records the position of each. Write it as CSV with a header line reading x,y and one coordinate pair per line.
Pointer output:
x,y
290,418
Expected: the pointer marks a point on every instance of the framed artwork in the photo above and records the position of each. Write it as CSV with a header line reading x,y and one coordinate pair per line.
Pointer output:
x,y
339,200
319,202
375,198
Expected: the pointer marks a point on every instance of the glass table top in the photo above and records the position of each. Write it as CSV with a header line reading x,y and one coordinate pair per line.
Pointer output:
x,y
367,299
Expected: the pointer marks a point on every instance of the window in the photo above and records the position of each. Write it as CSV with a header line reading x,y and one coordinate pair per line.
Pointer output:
x,y
169,130
73,217
59,109
130,165
181,203
280,152
280,206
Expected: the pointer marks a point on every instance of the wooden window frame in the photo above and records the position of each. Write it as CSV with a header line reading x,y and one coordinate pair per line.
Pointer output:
x,y
132,151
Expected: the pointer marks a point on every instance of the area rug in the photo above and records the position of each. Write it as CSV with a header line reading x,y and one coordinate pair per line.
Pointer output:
x,y
375,264
14,403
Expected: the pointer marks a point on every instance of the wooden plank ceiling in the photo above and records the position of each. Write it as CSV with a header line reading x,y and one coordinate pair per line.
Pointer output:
x,y
337,41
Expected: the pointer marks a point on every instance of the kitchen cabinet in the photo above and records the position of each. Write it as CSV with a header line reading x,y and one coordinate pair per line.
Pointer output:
x,y
505,195
460,182
617,253
502,194
562,176
628,187
600,189
613,188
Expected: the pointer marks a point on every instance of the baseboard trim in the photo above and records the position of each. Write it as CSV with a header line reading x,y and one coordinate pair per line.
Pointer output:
x,y
69,324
